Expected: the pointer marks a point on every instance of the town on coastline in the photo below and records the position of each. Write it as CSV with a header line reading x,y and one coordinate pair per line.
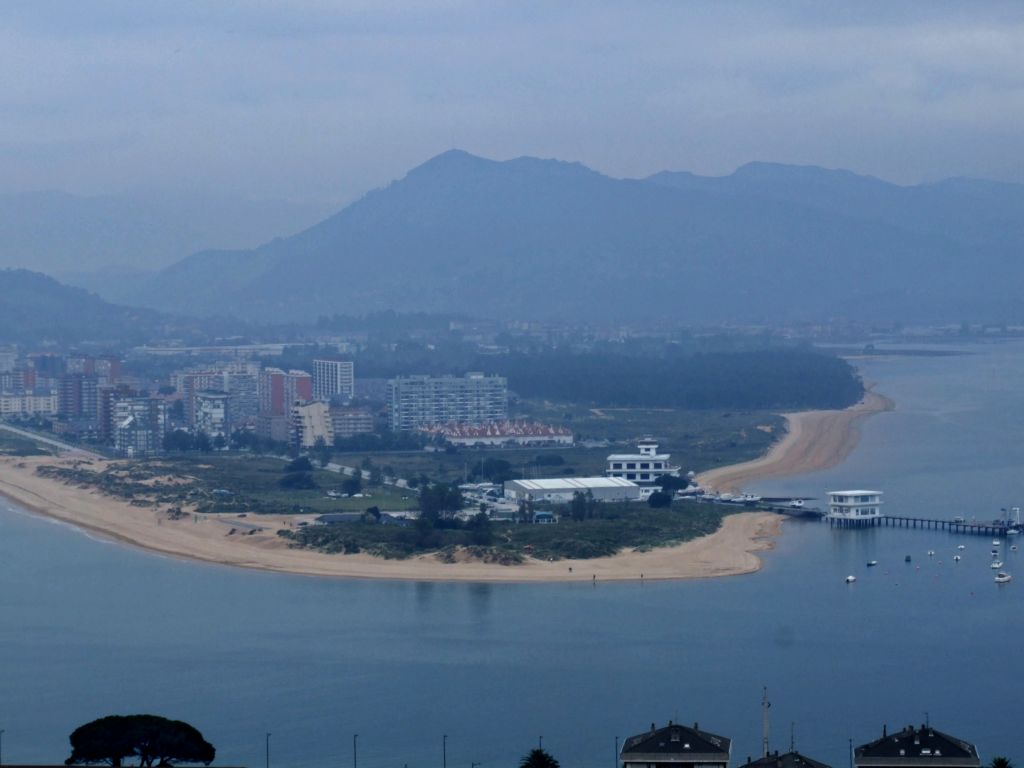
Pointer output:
x,y
287,441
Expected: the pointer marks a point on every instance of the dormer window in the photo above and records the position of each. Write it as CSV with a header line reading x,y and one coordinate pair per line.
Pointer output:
x,y
675,737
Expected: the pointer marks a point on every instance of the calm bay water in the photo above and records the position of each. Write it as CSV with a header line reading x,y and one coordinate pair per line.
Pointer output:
x,y
89,628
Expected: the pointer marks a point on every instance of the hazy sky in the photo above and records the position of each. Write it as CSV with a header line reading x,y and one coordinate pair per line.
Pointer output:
x,y
324,99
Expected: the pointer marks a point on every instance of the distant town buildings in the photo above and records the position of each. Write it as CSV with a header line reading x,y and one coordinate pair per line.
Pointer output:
x,y
28,405
349,422
502,433
279,390
333,379
423,401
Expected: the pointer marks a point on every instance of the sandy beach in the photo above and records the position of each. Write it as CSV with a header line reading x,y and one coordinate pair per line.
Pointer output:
x,y
729,551
814,440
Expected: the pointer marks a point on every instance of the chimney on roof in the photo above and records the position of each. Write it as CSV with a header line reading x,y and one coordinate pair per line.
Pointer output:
x,y
695,726
653,728
884,729
669,723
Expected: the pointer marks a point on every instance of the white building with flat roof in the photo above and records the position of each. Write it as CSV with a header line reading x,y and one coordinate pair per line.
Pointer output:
x,y
645,467
854,508
562,489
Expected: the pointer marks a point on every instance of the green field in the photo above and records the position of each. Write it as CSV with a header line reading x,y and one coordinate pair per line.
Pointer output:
x,y
232,483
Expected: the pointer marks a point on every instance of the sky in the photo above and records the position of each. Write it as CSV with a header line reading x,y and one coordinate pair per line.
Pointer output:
x,y
322,100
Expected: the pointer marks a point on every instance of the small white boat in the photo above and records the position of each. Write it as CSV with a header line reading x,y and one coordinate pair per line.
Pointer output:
x,y
851,579
1012,532
995,542
996,564
931,553
1013,548
961,547
747,498
1002,577
956,558
796,504
872,562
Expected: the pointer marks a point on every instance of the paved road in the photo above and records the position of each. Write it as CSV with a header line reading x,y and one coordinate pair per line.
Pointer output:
x,y
49,441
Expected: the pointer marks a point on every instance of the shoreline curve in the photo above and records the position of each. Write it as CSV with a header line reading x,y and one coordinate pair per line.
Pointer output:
x,y
814,440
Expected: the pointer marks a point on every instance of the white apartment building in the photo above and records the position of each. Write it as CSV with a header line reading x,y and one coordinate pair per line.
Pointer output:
x,y
28,405
310,422
333,378
424,401
212,414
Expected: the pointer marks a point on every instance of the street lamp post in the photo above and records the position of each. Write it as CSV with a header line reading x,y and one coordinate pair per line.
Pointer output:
x,y
444,751
355,755
1,746
616,758
267,750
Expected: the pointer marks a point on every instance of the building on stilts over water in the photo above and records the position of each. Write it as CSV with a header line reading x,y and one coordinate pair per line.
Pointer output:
x,y
854,509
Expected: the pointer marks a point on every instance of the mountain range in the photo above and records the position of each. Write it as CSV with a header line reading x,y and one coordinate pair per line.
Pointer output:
x,y
545,239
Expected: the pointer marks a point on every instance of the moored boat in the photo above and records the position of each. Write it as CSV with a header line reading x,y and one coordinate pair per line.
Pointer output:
x,y
1002,577
996,564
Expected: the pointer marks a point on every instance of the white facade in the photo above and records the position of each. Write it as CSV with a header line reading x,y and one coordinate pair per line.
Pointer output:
x,y
645,467
311,421
857,506
563,489
333,378
28,405
212,414
425,401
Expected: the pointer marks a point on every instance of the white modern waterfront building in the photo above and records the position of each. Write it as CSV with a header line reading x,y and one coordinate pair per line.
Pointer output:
x,y
854,509
644,468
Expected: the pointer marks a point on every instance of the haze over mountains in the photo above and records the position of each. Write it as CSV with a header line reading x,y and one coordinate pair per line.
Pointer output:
x,y
530,238
72,235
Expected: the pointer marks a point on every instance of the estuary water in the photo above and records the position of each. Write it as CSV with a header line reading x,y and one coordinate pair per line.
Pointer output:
x,y
89,628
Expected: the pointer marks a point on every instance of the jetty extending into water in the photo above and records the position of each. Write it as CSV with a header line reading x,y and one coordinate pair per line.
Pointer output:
x,y
997,528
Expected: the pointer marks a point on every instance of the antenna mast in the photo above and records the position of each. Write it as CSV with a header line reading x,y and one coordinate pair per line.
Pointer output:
x,y
765,704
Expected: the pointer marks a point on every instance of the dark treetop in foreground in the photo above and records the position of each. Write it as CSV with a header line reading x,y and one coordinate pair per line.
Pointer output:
x,y
152,739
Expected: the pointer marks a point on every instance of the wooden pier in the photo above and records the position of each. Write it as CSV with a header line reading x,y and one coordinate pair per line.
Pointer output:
x,y
996,528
